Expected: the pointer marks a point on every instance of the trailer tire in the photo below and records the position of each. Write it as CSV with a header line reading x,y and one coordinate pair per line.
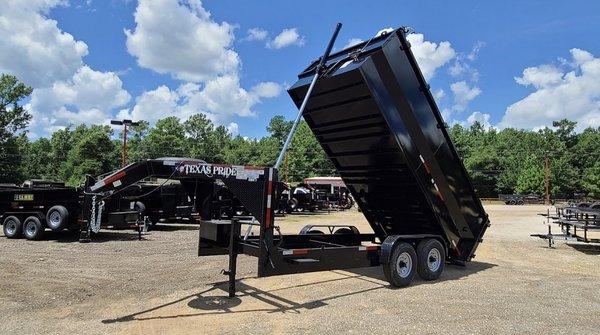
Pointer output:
x,y
344,231
139,207
33,228
57,218
315,232
401,269
12,227
292,204
431,259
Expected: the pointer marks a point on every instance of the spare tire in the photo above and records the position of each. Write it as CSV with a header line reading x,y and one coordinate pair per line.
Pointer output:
x,y
57,218
12,227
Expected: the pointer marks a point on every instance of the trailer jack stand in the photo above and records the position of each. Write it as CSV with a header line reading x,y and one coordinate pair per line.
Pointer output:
x,y
84,236
234,236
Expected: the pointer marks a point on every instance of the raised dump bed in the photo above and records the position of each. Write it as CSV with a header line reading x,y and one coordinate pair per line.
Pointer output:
x,y
375,117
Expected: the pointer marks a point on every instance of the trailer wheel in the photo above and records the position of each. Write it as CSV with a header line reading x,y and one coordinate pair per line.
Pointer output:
x,y
432,259
32,228
139,207
292,204
315,232
57,218
12,227
344,231
401,269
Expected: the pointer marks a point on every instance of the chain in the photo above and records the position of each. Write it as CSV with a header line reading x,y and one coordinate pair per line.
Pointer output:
x,y
99,217
95,221
92,222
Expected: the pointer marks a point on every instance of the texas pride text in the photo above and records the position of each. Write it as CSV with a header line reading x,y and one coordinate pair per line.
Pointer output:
x,y
208,170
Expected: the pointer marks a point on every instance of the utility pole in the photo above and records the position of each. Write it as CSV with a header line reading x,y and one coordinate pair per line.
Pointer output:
x,y
125,123
547,178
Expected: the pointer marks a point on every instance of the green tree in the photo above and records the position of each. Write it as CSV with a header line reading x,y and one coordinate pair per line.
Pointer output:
x,y
199,129
166,139
279,128
93,153
38,155
135,141
13,119
530,179
591,180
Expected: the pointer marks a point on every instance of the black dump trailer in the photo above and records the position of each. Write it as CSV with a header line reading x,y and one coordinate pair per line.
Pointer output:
x,y
374,115
26,210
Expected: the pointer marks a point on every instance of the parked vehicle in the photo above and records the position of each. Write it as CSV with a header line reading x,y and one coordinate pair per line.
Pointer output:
x,y
331,192
27,210
517,199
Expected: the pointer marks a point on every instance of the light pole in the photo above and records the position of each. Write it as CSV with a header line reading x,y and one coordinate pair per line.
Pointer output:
x,y
125,123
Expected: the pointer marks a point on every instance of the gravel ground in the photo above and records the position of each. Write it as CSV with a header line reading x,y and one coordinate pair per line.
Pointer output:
x,y
158,286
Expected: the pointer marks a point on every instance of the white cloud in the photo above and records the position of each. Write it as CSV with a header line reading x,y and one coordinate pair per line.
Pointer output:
x,y
287,37
221,100
439,94
462,66
66,91
32,47
430,55
180,38
540,76
233,128
475,50
463,95
572,93
267,89
88,97
482,118
352,42
256,34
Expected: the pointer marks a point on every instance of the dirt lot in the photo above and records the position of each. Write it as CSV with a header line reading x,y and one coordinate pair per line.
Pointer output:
x,y
158,286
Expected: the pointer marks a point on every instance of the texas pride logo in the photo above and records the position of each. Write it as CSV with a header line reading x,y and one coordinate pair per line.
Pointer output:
x,y
207,170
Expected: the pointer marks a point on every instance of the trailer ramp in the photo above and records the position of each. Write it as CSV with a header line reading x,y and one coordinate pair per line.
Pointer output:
x,y
376,119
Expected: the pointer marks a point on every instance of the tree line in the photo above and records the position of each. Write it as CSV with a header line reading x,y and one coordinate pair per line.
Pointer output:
x,y
498,161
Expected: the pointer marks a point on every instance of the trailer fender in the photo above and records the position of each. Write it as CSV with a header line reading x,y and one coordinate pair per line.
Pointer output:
x,y
387,247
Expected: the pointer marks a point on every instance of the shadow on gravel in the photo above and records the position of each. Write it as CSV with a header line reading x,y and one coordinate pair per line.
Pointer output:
x,y
107,235
222,304
451,272
588,249
174,226
103,236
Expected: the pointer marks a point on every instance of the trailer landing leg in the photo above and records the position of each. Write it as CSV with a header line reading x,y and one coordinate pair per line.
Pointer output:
x,y
234,236
84,236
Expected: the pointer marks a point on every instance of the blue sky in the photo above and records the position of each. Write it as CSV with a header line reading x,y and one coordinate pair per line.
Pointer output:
x,y
506,64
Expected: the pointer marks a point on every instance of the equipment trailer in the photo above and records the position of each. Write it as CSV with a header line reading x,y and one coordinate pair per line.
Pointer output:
x,y
576,222
373,114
